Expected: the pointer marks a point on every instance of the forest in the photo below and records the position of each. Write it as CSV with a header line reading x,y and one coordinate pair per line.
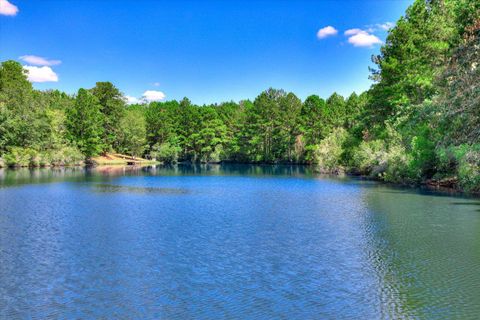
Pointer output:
x,y
419,122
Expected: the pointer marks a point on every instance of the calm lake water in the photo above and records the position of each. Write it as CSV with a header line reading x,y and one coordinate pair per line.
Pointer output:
x,y
236,242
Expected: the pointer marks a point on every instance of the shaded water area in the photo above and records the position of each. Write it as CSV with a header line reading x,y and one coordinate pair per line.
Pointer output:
x,y
232,241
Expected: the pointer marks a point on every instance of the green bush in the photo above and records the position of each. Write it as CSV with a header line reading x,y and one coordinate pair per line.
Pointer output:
x,y
66,156
448,159
462,162
447,163
370,157
20,157
423,156
328,154
397,165
26,157
217,155
310,153
165,152
394,160
469,168
375,159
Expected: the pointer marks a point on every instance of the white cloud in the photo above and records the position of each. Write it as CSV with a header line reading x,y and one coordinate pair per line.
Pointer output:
x,y
364,39
41,74
148,96
354,31
8,9
39,61
131,100
152,95
326,32
156,84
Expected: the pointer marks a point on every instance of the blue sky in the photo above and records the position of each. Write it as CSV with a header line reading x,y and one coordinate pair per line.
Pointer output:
x,y
209,51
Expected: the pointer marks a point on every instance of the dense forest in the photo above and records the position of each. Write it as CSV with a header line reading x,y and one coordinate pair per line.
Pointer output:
x,y
420,120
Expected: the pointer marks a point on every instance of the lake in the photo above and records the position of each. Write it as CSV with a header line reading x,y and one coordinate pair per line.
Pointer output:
x,y
232,241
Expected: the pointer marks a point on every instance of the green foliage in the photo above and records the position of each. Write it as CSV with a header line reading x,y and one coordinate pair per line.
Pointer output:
x,y
272,127
33,124
211,134
459,101
85,123
15,89
65,156
423,156
23,121
469,170
112,105
413,55
22,157
313,124
329,152
419,121
449,159
370,157
397,165
162,121
463,162
27,157
217,155
131,133
165,152
392,160
424,105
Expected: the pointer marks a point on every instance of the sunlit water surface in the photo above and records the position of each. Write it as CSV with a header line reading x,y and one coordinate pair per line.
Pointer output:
x,y
236,242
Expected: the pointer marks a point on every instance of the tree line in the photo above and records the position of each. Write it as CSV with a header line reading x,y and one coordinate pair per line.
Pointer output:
x,y
419,121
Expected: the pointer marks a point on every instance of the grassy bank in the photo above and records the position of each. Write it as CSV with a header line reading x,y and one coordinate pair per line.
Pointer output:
x,y
20,157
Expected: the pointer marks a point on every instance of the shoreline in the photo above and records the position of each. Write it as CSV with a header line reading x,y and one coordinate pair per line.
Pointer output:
x,y
438,186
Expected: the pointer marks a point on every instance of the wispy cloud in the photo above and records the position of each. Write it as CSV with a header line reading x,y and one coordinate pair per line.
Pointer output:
x,y
385,26
41,74
7,8
153,95
379,27
327,31
39,61
354,31
156,84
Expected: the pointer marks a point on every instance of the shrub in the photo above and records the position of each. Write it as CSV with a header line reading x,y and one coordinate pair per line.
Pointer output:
x,y
397,165
463,162
26,157
310,153
469,169
20,157
217,155
423,157
390,163
369,157
165,152
328,153
448,159
44,159
66,156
